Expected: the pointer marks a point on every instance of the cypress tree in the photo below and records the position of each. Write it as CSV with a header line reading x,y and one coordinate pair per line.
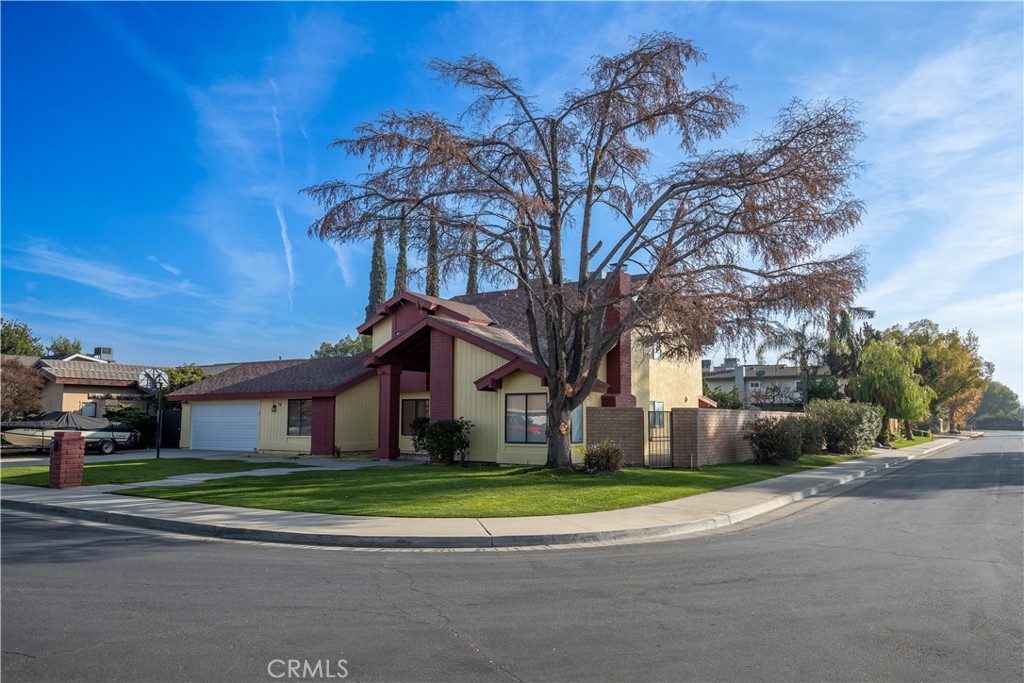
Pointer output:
x,y
378,274
472,287
433,268
402,266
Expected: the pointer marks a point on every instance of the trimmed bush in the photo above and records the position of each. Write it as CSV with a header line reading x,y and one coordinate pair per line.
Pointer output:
x,y
605,456
922,432
448,439
776,440
847,427
814,437
419,433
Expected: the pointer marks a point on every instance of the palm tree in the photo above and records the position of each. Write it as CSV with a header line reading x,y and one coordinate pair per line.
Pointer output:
x,y
800,346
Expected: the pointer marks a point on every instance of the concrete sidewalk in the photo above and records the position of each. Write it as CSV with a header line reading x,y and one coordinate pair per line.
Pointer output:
x,y
685,515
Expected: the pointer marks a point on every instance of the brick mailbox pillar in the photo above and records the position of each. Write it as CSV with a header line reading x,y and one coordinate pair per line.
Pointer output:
x,y
67,456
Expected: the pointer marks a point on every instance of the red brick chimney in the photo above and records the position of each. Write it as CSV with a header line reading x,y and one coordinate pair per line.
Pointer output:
x,y
620,358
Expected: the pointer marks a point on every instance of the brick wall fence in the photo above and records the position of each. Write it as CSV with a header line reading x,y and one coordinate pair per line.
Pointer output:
x,y
715,435
624,426
700,437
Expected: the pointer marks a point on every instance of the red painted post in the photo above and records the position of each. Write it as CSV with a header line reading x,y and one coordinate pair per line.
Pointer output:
x,y
390,378
67,458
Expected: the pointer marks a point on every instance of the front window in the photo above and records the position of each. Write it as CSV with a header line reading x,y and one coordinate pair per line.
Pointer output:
x,y
755,385
88,410
413,408
300,416
526,418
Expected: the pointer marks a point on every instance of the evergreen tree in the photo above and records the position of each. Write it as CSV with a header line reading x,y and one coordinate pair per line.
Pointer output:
x,y
378,274
433,268
473,274
402,265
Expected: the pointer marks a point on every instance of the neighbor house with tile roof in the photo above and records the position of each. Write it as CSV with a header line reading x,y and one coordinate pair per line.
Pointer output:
x,y
86,385
468,356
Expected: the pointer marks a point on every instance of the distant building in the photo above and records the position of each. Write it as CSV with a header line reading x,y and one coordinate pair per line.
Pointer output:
x,y
761,386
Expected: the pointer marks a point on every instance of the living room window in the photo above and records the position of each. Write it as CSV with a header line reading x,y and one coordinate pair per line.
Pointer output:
x,y
526,418
413,408
300,416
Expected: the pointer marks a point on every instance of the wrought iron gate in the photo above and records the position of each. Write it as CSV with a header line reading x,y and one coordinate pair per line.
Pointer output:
x,y
659,438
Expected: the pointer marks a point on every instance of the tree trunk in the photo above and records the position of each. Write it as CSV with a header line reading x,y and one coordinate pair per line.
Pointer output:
x,y
559,446
908,430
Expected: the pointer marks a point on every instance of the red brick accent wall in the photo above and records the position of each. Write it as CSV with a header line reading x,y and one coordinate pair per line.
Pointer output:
x,y
322,438
620,358
442,376
624,426
67,457
414,380
710,436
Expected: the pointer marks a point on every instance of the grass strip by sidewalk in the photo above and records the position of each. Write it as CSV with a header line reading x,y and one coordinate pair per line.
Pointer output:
x,y
903,443
440,491
131,471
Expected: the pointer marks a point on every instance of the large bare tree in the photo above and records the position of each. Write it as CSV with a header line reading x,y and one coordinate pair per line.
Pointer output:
x,y
728,240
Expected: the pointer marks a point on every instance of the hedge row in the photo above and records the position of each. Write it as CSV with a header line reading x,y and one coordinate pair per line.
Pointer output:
x,y
838,426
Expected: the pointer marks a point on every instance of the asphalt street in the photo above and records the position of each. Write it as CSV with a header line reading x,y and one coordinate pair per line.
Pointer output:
x,y
911,575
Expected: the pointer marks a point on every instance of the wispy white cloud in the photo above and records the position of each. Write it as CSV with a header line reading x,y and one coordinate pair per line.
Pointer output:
x,y
344,263
287,243
93,271
248,126
173,270
143,55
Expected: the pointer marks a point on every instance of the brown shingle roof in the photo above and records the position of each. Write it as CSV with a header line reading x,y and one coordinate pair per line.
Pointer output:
x,y
302,375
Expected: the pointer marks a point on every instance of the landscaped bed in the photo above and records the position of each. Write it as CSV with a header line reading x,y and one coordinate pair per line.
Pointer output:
x,y
443,491
131,471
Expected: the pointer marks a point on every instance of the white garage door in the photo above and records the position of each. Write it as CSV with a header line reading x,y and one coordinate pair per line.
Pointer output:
x,y
225,426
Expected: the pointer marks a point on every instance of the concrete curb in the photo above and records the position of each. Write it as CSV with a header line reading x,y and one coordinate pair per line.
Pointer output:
x,y
482,541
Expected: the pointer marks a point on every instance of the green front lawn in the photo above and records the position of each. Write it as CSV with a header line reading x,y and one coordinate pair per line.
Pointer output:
x,y
903,443
439,491
131,471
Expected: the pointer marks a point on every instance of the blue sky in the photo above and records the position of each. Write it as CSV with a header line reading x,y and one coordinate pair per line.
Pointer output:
x,y
152,153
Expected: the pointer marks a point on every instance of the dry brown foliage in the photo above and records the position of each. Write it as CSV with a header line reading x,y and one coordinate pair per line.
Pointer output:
x,y
728,240
21,390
